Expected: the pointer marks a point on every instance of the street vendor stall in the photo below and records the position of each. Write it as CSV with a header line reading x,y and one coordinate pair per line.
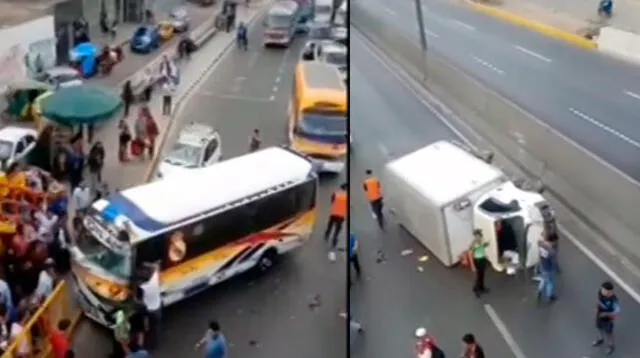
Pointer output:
x,y
22,97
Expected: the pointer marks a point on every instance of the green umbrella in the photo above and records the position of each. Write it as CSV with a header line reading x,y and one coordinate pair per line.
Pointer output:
x,y
77,105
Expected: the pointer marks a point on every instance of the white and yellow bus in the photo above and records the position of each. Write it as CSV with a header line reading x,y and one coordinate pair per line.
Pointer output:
x,y
203,227
318,112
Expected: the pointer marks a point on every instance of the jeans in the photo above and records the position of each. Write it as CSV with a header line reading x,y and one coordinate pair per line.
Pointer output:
x,y
155,320
547,284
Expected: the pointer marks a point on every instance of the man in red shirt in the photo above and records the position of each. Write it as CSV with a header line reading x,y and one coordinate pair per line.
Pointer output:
x,y
60,345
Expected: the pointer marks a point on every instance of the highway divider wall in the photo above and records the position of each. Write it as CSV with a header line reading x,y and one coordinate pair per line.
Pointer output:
x,y
607,201
619,43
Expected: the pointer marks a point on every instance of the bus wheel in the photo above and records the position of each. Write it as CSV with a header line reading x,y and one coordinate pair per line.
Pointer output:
x,y
267,261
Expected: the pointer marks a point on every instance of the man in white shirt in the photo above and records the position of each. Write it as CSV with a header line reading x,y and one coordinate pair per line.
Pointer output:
x,y
47,221
82,197
45,282
152,299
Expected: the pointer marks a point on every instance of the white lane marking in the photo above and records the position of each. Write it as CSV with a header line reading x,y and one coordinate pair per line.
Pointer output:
x,y
533,54
411,87
464,25
430,33
234,97
488,65
389,11
504,331
604,127
274,89
278,79
632,94
385,151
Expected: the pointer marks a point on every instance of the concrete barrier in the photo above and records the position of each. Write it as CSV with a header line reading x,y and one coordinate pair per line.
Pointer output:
x,y
603,198
619,43
547,30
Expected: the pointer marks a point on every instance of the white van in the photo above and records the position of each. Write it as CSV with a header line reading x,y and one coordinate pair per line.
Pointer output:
x,y
442,193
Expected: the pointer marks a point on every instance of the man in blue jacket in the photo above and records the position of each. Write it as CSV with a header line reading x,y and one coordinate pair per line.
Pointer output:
x,y
353,254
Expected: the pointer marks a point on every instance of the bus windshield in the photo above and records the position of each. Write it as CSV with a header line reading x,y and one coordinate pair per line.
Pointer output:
x,y
114,263
328,127
278,21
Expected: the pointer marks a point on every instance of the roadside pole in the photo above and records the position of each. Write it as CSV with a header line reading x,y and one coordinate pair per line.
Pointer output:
x,y
423,37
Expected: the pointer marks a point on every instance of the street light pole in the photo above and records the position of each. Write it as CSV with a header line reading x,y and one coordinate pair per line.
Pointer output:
x,y
423,37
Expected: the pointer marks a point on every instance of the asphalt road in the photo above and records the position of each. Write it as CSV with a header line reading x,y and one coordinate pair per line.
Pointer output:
x,y
591,98
247,91
394,298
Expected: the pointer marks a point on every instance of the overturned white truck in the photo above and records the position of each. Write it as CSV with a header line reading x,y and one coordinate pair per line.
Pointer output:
x,y
441,193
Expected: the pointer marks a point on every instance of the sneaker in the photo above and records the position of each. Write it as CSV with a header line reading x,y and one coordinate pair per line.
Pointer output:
x,y
609,350
332,256
597,342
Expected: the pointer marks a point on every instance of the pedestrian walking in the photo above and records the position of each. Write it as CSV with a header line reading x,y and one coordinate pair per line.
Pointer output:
x,y
606,315
60,166
470,347
76,166
255,141
152,133
95,162
168,88
479,262
214,343
127,97
124,139
353,255
148,80
373,190
139,320
153,302
82,198
339,212
547,271
140,132
58,340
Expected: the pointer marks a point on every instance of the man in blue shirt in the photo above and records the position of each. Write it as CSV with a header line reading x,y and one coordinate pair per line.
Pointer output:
x,y
353,254
215,345
606,314
548,269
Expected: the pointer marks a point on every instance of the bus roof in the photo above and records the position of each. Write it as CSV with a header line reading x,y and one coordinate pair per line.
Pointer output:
x,y
319,75
158,206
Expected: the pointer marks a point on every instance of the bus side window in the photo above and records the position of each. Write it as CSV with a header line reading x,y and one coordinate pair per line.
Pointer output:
x,y
275,209
306,196
152,250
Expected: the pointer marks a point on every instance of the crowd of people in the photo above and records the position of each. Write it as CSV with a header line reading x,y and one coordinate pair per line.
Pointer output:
x,y
33,250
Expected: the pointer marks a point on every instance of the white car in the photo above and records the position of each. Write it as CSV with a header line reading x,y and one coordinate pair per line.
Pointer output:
x,y
329,52
198,145
61,77
15,144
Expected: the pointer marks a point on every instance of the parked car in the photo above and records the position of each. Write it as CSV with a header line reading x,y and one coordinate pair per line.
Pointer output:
x,y
339,34
179,18
145,39
166,30
15,145
198,146
329,52
61,77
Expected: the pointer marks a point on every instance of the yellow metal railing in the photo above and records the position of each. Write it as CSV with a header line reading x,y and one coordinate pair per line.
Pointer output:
x,y
60,305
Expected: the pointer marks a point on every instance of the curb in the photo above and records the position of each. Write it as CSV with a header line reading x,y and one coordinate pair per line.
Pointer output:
x,y
178,106
539,27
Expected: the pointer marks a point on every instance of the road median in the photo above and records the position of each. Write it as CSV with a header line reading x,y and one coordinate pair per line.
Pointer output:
x,y
600,195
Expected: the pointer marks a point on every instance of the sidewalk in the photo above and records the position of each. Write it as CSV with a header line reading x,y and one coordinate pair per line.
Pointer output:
x,y
134,62
87,338
577,16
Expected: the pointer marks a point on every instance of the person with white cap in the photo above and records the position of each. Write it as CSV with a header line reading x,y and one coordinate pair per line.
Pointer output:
x,y
426,346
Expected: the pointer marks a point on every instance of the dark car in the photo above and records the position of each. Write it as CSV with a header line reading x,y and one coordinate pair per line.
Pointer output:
x,y
145,39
